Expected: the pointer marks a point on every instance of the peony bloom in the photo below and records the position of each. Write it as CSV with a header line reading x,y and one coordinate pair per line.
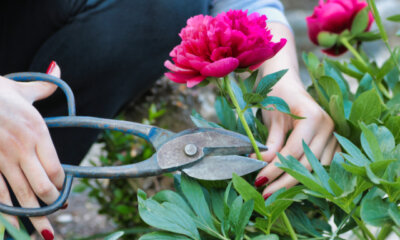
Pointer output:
x,y
215,47
334,16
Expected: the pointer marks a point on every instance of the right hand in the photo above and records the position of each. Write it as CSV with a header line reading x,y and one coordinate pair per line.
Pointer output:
x,y
28,159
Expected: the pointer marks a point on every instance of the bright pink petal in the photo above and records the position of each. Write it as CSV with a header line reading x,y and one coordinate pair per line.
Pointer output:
x,y
313,29
220,68
178,77
334,18
174,68
194,81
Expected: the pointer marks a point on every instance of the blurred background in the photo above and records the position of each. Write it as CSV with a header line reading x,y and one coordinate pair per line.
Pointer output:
x,y
169,105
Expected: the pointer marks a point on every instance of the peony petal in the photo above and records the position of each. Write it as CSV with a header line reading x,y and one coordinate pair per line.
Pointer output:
x,y
313,29
220,53
174,68
335,51
194,81
178,77
334,18
220,68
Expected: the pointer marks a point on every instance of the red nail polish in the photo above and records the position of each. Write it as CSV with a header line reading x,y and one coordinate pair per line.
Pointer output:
x,y
267,195
51,67
47,235
260,181
65,206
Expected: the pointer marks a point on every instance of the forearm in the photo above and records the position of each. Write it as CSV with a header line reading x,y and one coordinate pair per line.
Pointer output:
x,y
285,59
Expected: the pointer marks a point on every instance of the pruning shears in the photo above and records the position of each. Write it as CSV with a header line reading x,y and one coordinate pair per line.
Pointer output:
x,y
201,153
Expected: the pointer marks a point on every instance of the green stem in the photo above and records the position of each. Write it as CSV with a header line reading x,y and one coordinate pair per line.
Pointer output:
x,y
364,228
382,30
355,53
385,231
292,233
241,117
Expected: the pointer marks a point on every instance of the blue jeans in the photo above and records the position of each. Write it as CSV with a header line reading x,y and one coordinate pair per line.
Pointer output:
x,y
110,52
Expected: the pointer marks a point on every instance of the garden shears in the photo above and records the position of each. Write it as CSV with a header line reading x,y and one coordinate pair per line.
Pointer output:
x,y
201,153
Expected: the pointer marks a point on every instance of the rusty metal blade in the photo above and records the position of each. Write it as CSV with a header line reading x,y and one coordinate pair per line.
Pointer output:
x,y
222,167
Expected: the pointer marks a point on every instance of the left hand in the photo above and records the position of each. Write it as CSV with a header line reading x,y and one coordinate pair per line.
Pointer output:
x,y
316,130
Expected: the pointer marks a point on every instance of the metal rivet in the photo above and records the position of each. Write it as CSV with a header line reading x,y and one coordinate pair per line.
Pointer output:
x,y
190,150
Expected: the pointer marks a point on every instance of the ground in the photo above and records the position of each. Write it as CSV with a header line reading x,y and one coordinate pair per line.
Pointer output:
x,y
81,218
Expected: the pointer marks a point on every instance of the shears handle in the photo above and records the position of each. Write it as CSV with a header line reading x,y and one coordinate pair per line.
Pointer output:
x,y
148,167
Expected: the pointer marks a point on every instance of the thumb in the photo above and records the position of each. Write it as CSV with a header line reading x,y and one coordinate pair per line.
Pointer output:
x,y
34,91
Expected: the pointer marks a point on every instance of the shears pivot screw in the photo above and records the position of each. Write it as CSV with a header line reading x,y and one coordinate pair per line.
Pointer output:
x,y
190,150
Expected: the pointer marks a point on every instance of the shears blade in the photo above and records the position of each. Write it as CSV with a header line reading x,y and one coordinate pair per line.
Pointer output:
x,y
222,167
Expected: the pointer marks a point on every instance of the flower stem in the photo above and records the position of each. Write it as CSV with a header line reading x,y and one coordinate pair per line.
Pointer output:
x,y
292,233
355,53
385,231
241,117
382,30
364,228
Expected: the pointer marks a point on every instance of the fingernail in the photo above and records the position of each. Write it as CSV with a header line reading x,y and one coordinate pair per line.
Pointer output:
x,y
47,235
260,181
51,67
65,206
267,195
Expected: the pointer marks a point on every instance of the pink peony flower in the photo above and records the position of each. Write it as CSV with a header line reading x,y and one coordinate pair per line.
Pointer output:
x,y
214,47
334,16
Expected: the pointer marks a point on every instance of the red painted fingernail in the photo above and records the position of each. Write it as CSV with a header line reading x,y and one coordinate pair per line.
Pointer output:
x,y
260,181
65,206
47,235
51,67
267,195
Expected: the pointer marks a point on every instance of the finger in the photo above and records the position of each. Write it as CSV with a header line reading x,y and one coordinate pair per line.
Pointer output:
x,y
27,199
34,91
276,138
293,147
317,146
38,180
48,158
329,151
6,199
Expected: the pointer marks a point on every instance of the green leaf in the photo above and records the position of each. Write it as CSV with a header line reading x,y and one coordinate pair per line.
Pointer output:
x,y
248,192
366,108
166,216
368,36
174,198
370,144
250,81
297,170
301,222
244,218
393,124
394,18
252,98
358,158
114,236
360,22
317,167
199,121
79,188
336,110
195,196
374,210
394,213
280,105
217,202
15,233
340,176
248,114
267,82
365,84
330,86
266,237
225,113
327,39
162,236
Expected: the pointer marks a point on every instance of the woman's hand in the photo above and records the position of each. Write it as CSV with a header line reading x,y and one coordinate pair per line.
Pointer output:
x,y
28,159
316,130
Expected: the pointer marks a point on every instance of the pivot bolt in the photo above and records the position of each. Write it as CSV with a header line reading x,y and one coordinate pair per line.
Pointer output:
x,y
190,150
